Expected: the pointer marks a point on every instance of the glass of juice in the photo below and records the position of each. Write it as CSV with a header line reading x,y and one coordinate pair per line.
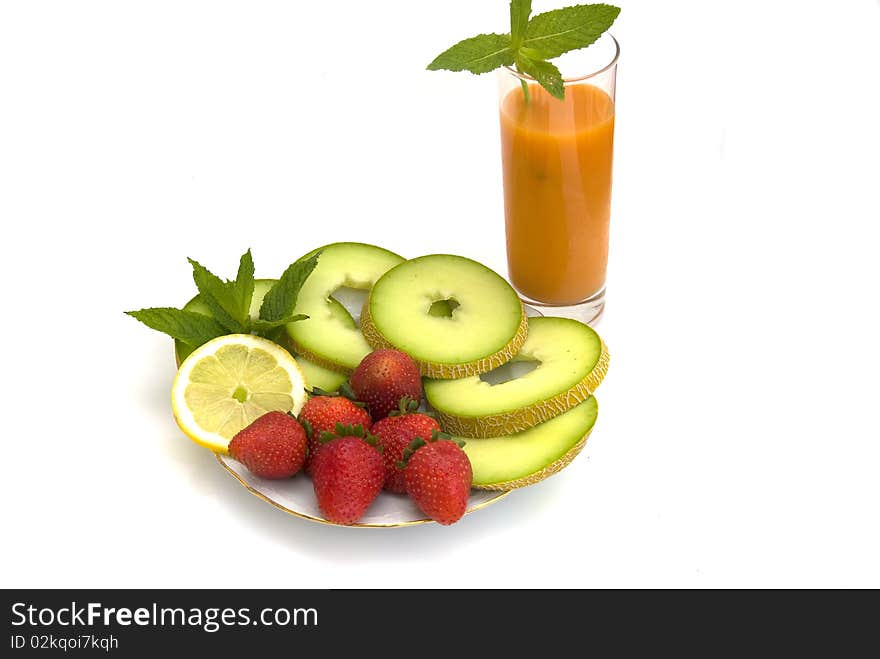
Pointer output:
x,y
557,156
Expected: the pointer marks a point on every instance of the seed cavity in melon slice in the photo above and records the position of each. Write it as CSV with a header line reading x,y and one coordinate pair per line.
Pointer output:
x,y
530,456
570,360
455,317
315,375
325,339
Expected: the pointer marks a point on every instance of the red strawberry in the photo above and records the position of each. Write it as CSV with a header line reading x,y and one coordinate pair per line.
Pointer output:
x,y
396,433
273,446
438,478
383,378
322,413
348,473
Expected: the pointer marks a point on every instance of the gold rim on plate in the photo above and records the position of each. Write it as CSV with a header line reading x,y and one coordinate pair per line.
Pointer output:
x,y
319,520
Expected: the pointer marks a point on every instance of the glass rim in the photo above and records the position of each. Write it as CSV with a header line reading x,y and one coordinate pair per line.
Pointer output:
x,y
566,81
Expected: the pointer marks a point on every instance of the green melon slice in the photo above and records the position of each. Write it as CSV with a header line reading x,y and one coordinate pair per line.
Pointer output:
x,y
571,362
323,338
455,317
315,375
505,463
318,377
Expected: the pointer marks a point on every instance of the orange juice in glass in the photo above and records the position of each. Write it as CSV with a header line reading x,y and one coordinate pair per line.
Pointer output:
x,y
557,157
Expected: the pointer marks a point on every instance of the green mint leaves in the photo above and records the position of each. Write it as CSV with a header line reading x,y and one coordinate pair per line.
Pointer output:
x,y
221,297
229,303
531,42
243,291
561,30
480,54
519,21
187,326
281,299
544,72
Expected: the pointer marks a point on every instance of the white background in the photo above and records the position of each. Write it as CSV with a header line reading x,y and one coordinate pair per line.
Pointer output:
x,y
737,442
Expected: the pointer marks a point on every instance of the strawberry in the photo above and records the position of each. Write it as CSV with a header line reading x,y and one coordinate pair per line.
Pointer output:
x,y
273,446
321,413
438,478
348,473
383,378
396,432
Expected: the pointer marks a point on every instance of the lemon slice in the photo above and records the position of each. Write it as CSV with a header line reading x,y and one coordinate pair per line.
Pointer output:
x,y
230,381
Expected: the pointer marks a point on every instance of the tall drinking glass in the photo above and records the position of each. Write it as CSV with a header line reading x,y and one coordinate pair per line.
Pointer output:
x,y
557,156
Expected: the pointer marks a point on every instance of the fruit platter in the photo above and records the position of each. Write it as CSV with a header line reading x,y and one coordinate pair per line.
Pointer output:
x,y
364,389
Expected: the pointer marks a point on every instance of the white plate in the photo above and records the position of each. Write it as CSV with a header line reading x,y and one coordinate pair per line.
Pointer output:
x,y
297,496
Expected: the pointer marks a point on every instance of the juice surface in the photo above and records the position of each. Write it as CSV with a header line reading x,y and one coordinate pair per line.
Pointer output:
x,y
557,191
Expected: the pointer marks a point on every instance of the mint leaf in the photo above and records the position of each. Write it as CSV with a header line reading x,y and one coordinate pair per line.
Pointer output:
x,y
280,301
188,326
220,297
274,329
561,30
545,73
531,42
243,288
260,325
519,19
479,54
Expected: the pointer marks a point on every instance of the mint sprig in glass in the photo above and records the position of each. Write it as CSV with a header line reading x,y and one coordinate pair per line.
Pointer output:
x,y
531,43
557,135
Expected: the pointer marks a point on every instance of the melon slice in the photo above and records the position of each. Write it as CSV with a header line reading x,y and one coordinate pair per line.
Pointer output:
x,y
524,458
570,361
324,339
455,317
